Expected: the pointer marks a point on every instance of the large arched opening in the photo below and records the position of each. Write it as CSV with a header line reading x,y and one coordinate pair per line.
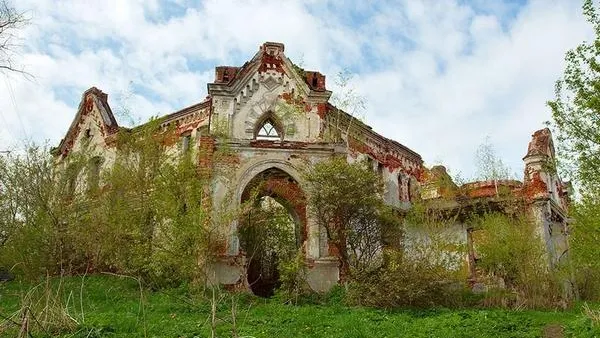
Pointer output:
x,y
273,227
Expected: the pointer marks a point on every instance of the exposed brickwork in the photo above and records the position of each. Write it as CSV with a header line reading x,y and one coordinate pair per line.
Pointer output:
x,y
225,74
91,98
271,63
535,187
315,80
205,155
229,159
286,191
492,188
390,162
540,143
322,110
279,144
297,101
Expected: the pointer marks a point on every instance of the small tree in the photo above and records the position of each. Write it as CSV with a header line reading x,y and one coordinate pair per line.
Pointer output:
x,y
509,248
31,218
576,122
489,166
583,241
576,108
346,200
347,101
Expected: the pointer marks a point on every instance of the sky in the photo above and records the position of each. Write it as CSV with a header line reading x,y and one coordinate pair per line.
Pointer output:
x,y
439,76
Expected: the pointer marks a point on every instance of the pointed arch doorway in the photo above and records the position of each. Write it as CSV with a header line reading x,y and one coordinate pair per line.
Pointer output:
x,y
272,228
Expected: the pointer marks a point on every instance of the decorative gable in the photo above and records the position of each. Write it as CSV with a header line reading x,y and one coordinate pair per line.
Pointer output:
x,y
244,96
93,123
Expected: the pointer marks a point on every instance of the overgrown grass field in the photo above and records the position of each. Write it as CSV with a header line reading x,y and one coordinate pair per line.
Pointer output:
x,y
112,306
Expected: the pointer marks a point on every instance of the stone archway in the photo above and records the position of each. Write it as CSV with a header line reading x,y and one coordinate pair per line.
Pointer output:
x,y
275,186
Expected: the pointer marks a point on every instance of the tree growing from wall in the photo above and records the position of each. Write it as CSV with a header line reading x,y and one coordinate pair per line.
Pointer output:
x,y
489,166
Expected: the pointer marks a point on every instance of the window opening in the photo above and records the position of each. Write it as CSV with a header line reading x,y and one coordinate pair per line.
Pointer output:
x,y
268,131
94,173
370,163
185,143
71,180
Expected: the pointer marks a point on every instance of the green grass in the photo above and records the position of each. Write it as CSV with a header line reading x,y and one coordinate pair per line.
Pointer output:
x,y
109,306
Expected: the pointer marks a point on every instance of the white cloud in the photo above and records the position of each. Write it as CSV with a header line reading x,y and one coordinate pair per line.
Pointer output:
x,y
438,75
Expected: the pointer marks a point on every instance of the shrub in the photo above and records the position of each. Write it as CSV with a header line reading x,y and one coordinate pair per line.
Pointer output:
x,y
513,257
407,281
147,218
584,239
346,202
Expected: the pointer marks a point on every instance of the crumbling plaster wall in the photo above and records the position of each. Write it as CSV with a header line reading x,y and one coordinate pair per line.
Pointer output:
x,y
548,196
240,115
230,181
88,141
396,181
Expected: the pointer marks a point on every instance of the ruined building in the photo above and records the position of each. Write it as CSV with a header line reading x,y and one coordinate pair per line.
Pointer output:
x,y
272,148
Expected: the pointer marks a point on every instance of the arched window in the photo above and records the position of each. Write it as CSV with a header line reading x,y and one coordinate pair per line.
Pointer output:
x,y
268,129
94,173
70,177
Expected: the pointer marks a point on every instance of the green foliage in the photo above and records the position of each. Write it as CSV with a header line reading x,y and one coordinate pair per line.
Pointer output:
x,y
576,109
30,219
576,121
292,275
270,237
108,306
268,226
347,98
584,239
413,279
511,253
346,202
220,128
146,214
488,165
427,270
592,314
348,113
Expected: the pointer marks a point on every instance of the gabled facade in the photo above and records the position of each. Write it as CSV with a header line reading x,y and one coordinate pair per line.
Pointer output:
x,y
276,119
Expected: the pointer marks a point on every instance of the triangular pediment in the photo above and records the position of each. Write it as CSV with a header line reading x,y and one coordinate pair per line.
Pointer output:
x,y
94,119
268,84
274,69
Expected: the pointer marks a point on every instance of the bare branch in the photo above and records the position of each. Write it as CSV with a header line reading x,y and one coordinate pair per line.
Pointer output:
x,y
11,21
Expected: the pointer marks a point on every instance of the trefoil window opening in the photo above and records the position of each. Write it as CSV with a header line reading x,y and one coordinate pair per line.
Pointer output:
x,y
268,131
